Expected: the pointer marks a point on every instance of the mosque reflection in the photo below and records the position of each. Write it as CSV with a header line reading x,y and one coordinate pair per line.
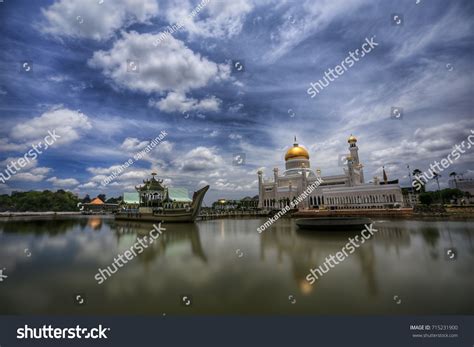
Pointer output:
x,y
306,250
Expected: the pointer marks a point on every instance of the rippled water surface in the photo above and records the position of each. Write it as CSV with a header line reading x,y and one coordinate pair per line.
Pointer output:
x,y
226,267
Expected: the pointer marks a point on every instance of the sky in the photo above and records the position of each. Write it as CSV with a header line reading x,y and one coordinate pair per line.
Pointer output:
x,y
231,81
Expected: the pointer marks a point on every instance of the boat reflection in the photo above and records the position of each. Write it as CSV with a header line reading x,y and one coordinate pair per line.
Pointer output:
x,y
175,234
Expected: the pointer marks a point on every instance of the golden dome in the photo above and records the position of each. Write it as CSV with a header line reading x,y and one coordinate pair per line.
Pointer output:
x,y
296,152
352,139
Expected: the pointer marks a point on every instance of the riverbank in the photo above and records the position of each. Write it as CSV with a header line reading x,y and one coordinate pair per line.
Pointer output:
x,y
392,213
458,212
402,213
38,214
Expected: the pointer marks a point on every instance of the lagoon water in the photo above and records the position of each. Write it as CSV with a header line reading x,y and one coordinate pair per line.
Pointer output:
x,y
226,267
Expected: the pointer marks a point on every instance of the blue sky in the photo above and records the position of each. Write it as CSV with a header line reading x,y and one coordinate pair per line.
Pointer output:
x,y
80,82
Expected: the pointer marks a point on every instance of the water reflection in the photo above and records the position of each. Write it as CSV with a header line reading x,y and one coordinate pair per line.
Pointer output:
x,y
308,249
405,258
187,234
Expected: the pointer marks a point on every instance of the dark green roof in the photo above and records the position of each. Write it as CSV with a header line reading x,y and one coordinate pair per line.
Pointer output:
x,y
151,184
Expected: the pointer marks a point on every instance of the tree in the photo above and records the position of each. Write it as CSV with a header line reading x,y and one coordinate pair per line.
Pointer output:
x,y
436,177
468,196
451,194
114,200
102,197
39,201
426,198
87,199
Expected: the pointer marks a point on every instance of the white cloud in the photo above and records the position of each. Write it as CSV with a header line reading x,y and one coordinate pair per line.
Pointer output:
x,y
103,170
63,182
7,146
224,184
88,185
199,159
222,19
29,173
169,66
235,108
67,124
58,78
91,19
27,177
178,102
235,136
165,147
132,144
203,183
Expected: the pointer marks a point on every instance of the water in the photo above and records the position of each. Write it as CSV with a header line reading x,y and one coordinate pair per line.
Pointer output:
x,y
226,267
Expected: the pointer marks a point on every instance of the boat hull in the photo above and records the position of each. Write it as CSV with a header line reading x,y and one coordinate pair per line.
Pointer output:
x,y
333,224
166,218
169,216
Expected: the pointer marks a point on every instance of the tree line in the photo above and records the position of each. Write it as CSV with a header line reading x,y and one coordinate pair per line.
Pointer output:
x,y
43,201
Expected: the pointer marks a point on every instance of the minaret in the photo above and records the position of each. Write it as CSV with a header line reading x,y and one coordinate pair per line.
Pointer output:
x,y
354,150
304,184
350,170
275,184
260,188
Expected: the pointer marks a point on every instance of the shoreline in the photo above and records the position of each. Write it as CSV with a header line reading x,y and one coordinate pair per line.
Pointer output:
x,y
403,213
406,213
7,215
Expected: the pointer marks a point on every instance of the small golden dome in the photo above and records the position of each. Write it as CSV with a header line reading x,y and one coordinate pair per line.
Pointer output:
x,y
352,139
296,152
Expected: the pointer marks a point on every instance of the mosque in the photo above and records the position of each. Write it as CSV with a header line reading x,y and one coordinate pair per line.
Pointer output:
x,y
346,191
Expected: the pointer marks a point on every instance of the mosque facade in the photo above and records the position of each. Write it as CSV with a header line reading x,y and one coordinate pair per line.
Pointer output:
x,y
346,191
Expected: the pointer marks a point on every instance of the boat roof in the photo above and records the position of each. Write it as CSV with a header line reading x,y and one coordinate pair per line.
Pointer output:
x,y
178,195
131,198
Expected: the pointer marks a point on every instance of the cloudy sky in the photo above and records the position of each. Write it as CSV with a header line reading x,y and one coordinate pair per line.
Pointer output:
x,y
233,79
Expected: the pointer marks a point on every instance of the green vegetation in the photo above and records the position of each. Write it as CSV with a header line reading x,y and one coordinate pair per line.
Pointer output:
x,y
35,201
444,196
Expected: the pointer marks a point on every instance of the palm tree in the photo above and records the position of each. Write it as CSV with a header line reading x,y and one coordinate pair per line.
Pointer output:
x,y
417,173
436,177
454,175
